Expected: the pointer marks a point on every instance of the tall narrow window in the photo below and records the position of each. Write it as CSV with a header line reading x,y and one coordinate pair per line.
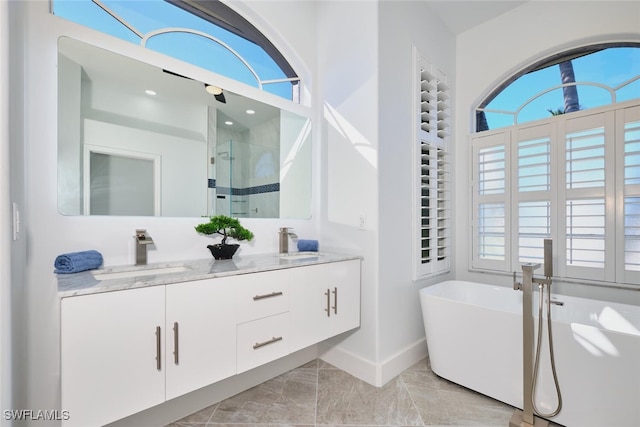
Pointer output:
x,y
589,149
491,183
631,206
433,185
532,200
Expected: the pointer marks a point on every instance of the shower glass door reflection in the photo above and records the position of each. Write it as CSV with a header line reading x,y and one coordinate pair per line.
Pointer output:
x,y
228,202
247,180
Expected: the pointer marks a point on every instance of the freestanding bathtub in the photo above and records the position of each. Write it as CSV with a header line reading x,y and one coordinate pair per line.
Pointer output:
x,y
474,337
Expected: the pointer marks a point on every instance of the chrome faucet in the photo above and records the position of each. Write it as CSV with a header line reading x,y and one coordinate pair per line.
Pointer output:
x,y
528,417
142,240
284,239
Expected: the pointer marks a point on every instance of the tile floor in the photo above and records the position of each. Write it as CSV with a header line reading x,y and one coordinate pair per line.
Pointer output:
x,y
319,394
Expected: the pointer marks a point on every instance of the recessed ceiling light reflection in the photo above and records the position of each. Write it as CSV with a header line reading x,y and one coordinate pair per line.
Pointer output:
x,y
250,112
228,123
150,92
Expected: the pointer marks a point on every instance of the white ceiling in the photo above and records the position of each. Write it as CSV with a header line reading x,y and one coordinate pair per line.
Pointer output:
x,y
131,77
462,15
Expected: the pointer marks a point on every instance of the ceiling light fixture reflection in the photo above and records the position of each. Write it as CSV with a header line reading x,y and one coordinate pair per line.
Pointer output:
x,y
228,123
251,112
216,91
150,92
213,90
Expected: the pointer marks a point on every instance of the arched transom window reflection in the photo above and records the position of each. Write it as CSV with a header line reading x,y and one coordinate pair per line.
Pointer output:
x,y
207,34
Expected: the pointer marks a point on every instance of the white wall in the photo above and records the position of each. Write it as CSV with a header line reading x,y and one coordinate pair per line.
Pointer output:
x,y
367,99
6,362
402,26
488,54
346,102
18,257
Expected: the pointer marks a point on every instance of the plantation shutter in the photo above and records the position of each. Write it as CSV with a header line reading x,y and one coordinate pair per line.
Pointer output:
x,y
490,185
432,239
533,194
628,124
589,238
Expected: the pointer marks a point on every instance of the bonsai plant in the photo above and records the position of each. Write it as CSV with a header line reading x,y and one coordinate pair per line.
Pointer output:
x,y
227,227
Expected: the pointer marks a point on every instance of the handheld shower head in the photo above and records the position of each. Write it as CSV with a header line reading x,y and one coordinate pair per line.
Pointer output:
x,y
548,257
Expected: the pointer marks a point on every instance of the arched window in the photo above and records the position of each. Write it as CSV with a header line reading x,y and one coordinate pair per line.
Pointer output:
x,y
559,157
579,79
207,34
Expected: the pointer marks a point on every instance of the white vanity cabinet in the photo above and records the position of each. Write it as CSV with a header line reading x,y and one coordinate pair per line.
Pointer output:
x,y
126,350
325,301
112,354
200,334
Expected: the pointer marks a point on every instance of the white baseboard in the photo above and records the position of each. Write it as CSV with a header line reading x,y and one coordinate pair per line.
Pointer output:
x,y
377,374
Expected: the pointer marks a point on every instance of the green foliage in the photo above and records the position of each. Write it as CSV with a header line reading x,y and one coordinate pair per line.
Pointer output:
x,y
556,112
226,227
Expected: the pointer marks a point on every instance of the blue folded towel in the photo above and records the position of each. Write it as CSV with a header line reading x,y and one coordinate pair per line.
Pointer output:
x,y
307,245
75,262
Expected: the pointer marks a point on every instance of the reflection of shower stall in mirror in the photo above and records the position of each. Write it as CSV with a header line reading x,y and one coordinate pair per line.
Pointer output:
x,y
226,203
120,182
246,180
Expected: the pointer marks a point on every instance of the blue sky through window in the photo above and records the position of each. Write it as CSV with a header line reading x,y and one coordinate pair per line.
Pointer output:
x,y
146,16
611,67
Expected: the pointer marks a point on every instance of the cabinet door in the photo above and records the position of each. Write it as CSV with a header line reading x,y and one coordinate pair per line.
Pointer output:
x,y
112,354
308,306
344,285
201,334
325,301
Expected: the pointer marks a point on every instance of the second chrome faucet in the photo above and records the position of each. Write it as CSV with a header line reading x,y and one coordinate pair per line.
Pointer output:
x,y
142,240
285,233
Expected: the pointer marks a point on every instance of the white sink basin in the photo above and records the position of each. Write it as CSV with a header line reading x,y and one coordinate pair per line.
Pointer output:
x,y
298,256
144,271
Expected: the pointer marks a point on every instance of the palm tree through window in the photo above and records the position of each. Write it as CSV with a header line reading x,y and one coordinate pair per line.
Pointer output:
x,y
577,80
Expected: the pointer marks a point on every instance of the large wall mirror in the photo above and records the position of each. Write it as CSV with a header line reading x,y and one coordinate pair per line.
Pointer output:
x,y
137,140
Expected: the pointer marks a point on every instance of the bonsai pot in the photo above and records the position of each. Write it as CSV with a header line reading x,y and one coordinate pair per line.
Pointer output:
x,y
220,251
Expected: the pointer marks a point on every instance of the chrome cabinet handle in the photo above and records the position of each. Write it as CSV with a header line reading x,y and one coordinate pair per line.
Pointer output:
x,y
335,300
176,348
158,349
262,344
271,295
328,309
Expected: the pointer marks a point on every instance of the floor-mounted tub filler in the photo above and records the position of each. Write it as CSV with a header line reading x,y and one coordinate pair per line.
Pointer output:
x,y
474,336
531,416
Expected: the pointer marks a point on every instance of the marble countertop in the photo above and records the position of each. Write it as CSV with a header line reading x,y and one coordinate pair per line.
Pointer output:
x,y
129,277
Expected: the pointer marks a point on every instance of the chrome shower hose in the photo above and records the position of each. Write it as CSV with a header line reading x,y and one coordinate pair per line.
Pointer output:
x,y
551,356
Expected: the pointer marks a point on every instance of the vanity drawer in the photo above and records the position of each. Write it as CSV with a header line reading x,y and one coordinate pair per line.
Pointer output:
x,y
262,341
262,295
